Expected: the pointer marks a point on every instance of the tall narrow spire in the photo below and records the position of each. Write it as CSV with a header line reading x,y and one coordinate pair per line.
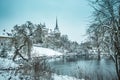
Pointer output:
x,y
56,29
56,24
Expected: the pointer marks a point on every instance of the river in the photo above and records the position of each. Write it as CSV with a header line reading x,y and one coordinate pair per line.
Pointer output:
x,y
88,69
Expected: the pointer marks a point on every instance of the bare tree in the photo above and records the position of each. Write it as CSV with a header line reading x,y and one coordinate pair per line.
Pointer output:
x,y
107,14
96,35
22,35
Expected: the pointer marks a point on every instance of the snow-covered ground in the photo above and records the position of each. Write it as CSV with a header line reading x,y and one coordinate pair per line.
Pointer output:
x,y
8,76
61,77
39,51
36,52
6,63
11,76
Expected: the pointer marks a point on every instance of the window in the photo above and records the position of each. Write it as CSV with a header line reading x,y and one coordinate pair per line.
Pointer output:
x,y
1,44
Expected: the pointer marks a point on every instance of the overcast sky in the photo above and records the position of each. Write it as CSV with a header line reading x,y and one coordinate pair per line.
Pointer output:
x,y
73,15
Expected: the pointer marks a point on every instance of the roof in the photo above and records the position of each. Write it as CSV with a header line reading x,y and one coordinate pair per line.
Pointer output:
x,y
4,36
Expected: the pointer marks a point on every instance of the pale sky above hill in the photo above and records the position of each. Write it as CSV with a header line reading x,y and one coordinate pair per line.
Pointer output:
x,y
73,15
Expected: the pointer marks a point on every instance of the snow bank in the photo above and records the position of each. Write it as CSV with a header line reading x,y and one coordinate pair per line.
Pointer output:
x,y
61,77
10,76
6,63
39,51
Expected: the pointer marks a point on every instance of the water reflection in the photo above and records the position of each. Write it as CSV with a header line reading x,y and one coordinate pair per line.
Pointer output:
x,y
88,69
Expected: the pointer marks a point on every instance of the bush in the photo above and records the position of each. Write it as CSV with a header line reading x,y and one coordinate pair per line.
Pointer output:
x,y
3,53
37,69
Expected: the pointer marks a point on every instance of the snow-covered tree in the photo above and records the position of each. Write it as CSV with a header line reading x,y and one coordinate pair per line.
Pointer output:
x,y
107,14
22,40
38,34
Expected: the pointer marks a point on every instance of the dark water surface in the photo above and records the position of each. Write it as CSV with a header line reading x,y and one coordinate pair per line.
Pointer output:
x,y
88,69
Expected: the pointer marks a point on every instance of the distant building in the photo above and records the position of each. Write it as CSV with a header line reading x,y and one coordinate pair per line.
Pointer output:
x,y
52,34
5,41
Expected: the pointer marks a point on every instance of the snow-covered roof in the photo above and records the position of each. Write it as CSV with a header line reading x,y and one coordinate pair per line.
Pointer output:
x,y
2,36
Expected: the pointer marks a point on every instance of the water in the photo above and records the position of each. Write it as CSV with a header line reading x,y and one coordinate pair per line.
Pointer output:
x,y
88,69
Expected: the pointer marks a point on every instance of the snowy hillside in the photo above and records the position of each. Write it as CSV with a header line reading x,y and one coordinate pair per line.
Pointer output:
x,y
36,52
40,51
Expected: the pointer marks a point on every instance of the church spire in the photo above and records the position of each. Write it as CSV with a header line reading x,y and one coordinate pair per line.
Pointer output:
x,y
56,30
56,27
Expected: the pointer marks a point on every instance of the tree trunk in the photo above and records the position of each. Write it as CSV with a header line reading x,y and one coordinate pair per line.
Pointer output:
x,y
99,54
98,50
117,54
117,67
16,53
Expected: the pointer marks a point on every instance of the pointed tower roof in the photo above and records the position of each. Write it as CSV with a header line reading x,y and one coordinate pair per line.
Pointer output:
x,y
56,29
